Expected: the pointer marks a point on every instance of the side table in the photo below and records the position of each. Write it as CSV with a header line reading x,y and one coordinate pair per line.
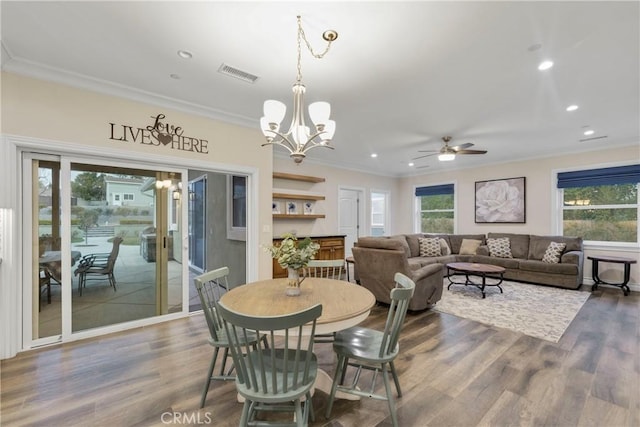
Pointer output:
x,y
595,260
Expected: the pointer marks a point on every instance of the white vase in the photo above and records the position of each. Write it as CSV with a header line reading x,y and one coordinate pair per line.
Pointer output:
x,y
293,282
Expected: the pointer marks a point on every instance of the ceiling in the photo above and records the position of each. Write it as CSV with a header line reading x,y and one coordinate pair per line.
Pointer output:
x,y
400,76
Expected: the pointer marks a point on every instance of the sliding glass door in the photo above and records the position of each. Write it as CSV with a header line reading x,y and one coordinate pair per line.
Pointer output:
x,y
106,244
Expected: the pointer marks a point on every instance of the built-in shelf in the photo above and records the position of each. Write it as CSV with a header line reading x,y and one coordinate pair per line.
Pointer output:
x,y
294,177
302,197
297,196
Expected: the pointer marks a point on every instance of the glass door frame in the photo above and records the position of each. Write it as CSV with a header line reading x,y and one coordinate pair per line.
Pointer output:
x,y
65,160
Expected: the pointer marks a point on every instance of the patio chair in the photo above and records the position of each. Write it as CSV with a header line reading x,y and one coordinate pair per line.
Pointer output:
x,y
209,290
275,379
365,348
98,264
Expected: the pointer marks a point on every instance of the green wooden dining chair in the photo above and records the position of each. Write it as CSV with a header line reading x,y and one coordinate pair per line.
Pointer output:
x,y
325,269
209,287
365,348
275,379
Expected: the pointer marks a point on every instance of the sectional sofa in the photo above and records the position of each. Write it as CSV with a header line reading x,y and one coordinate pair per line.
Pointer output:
x,y
544,260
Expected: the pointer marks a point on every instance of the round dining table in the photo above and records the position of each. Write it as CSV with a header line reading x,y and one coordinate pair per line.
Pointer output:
x,y
344,305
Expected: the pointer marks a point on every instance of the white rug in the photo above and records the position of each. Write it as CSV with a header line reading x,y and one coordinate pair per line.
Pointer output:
x,y
535,310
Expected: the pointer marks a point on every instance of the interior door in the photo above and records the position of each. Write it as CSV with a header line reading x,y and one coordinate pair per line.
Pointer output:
x,y
349,216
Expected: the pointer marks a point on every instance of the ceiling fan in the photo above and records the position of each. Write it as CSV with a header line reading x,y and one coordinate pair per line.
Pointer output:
x,y
448,152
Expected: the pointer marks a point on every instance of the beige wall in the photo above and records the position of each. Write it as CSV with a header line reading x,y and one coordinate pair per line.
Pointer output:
x,y
539,175
335,178
53,112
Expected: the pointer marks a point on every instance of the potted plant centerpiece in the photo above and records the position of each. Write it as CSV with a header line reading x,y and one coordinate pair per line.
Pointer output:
x,y
293,255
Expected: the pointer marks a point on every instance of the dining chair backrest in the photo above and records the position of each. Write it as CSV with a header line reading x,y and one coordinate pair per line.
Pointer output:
x,y
283,370
208,286
327,269
400,297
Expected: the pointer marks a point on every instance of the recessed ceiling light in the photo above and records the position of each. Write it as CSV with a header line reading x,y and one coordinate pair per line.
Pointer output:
x,y
589,132
374,155
411,164
185,54
572,107
545,65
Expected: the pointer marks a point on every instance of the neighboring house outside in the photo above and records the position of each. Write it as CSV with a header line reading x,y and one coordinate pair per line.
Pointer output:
x,y
126,192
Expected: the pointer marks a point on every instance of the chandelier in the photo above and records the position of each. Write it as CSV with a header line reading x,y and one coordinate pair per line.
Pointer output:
x,y
299,138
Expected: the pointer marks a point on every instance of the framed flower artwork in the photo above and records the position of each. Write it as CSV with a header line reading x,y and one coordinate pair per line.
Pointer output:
x,y
501,201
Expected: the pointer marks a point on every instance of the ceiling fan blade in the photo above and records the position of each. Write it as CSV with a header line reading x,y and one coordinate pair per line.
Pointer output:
x,y
462,146
471,152
426,155
423,166
428,151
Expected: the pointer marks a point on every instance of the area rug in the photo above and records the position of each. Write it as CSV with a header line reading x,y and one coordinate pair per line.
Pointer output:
x,y
539,311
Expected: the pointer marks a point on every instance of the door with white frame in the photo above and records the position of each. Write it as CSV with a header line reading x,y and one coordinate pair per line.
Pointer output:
x,y
92,260
350,215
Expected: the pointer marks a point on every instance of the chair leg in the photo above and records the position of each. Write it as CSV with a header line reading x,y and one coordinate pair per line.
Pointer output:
x,y
390,399
340,368
300,421
49,292
395,378
244,418
112,281
209,375
308,406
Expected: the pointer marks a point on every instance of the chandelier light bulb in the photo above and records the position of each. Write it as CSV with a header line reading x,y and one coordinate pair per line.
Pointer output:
x,y
446,157
319,112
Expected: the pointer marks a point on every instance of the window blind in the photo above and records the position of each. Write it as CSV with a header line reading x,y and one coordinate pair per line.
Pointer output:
x,y
434,190
605,176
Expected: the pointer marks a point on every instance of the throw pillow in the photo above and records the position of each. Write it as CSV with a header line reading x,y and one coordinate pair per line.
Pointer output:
x,y
554,252
499,247
469,246
430,246
444,247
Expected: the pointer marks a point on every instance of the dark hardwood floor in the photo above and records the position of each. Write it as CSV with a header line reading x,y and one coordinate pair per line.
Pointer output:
x,y
454,372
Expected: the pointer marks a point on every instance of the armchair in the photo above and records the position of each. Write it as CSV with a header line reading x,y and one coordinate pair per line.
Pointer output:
x,y
378,260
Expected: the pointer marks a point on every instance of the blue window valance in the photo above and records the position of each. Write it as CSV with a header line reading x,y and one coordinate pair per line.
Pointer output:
x,y
605,176
434,190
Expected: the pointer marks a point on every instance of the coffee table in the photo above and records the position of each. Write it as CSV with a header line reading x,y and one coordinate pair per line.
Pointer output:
x,y
483,271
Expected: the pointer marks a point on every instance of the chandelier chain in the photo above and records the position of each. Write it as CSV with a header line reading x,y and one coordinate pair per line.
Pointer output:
x,y
302,36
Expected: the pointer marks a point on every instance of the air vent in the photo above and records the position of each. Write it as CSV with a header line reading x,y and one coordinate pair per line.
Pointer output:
x,y
238,74
594,138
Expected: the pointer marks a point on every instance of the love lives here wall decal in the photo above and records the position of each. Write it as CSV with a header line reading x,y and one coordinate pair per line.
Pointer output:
x,y
159,133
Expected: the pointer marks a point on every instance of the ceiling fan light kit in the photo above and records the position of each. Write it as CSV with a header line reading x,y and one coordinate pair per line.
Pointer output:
x,y
448,153
299,138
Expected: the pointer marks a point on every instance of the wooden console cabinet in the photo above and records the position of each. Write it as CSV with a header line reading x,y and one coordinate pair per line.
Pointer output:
x,y
331,247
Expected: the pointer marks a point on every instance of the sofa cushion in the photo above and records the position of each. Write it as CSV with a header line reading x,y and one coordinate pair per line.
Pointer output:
x,y
430,246
539,244
414,243
509,263
545,267
469,246
380,243
499,247
444,247
519,243
553,253
455,240
403,241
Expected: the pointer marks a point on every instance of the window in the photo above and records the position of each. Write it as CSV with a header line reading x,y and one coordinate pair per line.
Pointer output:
x,y
237,207
435,209
127,197
379,213
600,205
